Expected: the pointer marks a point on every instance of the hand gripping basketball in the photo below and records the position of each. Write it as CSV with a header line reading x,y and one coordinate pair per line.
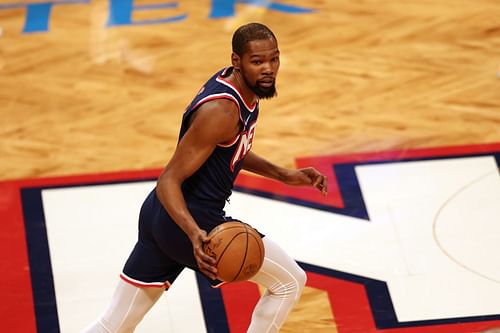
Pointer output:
x,y
237,249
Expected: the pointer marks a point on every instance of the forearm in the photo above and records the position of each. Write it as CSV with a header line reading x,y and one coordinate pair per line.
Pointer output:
x,y
304,176
256,164
170,195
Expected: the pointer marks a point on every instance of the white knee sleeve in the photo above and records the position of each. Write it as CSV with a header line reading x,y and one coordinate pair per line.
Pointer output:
x,y
284,281
128,306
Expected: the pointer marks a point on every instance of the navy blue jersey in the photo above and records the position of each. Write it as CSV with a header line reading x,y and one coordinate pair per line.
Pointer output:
x,y
213,181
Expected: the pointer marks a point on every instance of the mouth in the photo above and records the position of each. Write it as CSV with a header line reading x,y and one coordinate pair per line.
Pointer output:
x,y
266,82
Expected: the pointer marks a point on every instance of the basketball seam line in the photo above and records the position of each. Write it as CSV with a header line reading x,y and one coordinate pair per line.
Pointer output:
x,y
260,250
227,246
245,257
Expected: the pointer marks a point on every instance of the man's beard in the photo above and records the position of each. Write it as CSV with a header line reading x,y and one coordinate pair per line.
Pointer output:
x,y
261,92
264,92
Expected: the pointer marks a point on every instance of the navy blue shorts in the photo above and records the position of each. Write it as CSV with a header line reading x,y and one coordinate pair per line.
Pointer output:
x,y
163,250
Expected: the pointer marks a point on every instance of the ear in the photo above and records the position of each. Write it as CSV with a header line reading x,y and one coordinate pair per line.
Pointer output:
x,y
235,60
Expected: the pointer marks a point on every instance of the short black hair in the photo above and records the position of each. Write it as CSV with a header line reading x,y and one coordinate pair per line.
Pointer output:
x,y
250,32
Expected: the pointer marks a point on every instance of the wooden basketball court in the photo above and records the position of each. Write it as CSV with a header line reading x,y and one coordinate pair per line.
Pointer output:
x,y
95,86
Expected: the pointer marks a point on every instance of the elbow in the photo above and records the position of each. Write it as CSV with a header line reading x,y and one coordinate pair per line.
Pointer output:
x,y
168,180
166,186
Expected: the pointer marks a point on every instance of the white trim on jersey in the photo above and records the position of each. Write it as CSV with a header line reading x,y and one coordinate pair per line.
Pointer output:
x,y
218,96
226,83
230,143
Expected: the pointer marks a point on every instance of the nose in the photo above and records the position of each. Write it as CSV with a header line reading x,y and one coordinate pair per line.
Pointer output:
x,y
268,69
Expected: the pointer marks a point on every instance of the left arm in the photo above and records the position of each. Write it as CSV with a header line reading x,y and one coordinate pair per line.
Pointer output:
x,y
305,176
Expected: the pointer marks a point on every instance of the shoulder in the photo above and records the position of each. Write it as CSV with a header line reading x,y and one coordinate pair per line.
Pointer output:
x,y
221,117
216,122
219,108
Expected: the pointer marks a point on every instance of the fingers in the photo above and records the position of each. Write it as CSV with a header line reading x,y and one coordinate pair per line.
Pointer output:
x,y
205,257
323,185
205,263
319,181
207,238
207,268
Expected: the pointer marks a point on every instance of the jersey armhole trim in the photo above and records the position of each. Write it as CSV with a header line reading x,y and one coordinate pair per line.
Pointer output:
x,y
218,96
229,144
222,96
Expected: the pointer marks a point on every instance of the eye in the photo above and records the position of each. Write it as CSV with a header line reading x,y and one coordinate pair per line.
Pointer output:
x,y
256,62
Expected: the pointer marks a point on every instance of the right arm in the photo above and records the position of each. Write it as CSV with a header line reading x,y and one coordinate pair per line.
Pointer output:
x,y
213,123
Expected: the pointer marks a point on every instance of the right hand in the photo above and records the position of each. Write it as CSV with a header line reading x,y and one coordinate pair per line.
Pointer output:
x,y
205,263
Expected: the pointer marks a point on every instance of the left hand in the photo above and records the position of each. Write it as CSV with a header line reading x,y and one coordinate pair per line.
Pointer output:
x,y
307,176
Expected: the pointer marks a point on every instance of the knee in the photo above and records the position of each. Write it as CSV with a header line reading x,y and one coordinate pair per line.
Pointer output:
x,y
292,286
301,278
299,282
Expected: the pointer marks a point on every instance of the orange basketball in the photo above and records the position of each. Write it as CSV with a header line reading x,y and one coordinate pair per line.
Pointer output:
x,y
238,250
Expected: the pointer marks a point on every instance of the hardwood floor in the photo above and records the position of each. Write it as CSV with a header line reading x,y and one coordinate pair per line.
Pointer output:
x,y
87,96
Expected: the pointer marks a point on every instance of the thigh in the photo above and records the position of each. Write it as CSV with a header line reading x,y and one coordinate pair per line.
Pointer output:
x,y
148,265
157,227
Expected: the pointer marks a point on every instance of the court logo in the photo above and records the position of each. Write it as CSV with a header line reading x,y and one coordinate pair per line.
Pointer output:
x,y
38,14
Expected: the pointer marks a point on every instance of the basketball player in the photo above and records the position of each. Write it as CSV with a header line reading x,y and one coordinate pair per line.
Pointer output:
x,y
216,135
